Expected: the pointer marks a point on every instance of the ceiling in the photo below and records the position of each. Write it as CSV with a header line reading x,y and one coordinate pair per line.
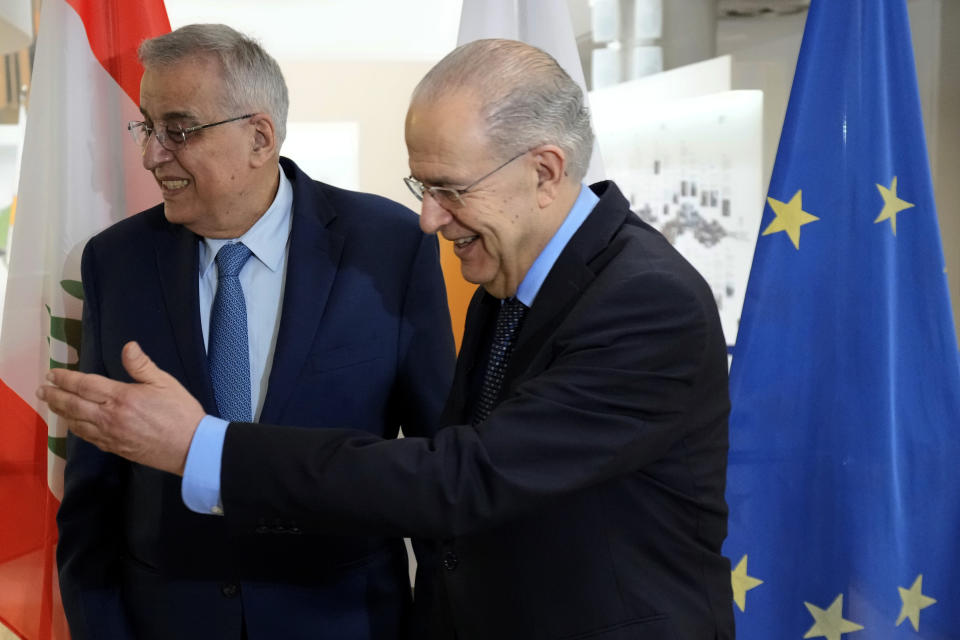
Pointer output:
x,y
334,29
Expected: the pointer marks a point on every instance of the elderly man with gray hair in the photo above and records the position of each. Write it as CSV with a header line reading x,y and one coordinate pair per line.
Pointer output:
x,y
269,296
577,487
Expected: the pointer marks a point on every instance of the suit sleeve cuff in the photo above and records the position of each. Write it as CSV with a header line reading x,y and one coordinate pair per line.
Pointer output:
x,y
200,489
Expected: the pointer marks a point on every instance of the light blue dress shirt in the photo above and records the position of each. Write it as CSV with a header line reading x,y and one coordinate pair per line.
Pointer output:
x,y
202,471
531,283
262,279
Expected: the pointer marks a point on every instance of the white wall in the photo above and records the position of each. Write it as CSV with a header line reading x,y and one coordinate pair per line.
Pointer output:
x,y
374,94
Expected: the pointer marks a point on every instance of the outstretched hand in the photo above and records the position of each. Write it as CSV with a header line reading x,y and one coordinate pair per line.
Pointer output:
x,y
150,421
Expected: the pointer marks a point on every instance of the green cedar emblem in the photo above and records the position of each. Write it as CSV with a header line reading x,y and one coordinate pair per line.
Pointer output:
x,y
68,330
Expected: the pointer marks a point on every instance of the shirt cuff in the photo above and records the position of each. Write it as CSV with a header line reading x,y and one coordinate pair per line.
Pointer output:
x,y
200,488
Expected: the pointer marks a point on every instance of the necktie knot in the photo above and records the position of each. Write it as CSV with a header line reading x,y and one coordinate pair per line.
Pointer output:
x,y
512,312
231,258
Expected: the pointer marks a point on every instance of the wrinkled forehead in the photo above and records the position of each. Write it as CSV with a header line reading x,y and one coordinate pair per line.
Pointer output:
x,y
446,132
453,117
183,89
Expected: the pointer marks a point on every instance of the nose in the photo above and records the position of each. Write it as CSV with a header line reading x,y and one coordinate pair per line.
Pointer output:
x,y
432,216
154,154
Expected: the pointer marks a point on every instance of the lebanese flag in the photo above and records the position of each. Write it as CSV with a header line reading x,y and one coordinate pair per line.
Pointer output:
x,y
79,172
546,25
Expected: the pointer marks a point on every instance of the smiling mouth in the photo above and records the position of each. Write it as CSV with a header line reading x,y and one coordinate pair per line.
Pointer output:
x,y
462,242
173,185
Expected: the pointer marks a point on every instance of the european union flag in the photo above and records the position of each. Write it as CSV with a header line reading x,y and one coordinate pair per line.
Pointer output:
x,y
844,476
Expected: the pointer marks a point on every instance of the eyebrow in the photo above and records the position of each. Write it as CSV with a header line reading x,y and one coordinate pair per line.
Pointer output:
x,y
170,115
442,181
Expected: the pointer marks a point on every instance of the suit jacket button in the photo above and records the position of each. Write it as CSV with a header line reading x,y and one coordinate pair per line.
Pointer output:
x,y
450,561
230,589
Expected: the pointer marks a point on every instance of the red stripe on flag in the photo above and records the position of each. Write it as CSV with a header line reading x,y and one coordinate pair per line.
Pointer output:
x,y
28,530
115,28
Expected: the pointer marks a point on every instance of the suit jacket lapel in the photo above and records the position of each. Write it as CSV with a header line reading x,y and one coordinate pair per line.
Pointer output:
x,y
570,275
178,267
311,270
480,316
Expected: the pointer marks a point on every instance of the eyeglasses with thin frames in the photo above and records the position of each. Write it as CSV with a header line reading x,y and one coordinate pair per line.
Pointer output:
x,y
171,138
449,196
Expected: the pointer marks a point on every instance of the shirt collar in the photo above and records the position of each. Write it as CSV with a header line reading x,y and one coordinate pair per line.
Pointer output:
x,y
531,283
266,239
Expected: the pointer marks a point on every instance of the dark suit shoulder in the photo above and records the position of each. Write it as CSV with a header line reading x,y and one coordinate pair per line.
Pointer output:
x,y
379,219
369,205
646,249
134,229
634,247
351,210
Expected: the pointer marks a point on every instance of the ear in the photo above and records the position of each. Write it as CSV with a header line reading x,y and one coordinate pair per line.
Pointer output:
x,y
264,148
551,162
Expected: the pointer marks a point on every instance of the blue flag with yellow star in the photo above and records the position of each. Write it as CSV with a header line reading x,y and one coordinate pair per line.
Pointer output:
x,y
844,473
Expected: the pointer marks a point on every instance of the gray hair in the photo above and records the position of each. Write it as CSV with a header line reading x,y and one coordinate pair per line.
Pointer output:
x,y
252,78
527,99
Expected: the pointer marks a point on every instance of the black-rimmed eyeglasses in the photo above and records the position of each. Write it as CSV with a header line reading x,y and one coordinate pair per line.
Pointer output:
x,y
448,196
171,138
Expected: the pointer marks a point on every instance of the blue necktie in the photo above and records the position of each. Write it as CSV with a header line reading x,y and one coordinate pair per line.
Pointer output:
x,y
511,315
228,354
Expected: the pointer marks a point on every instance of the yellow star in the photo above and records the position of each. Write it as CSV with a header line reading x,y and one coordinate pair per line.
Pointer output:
x,y
742,583
830,623
892,205
913,602
790,217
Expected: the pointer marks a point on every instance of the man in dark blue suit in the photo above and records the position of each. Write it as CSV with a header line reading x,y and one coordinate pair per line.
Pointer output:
x,y
346,322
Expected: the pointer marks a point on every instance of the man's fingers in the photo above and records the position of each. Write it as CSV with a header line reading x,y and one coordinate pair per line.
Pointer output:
x,y
83,417
89,386
86,430
151,421
69,405
139,365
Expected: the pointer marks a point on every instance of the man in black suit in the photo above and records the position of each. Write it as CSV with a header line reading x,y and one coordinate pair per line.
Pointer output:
x,y
577,489
347,325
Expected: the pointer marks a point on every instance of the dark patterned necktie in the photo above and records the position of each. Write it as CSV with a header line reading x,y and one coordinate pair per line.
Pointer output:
x,y
228,354
511,315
